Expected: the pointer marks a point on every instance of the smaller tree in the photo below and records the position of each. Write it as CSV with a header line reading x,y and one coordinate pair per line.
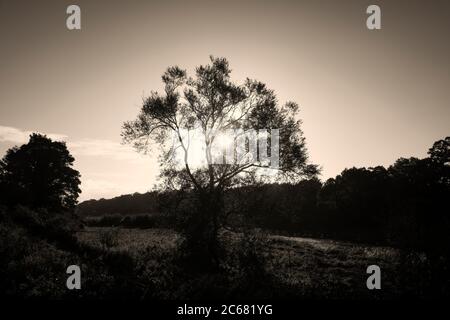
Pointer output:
x,y
39,174
440,151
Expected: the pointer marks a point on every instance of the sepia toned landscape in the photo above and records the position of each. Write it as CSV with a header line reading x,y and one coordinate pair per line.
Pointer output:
x,y
224,151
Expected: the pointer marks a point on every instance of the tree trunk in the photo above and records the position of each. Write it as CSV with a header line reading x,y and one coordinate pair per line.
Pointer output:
x,y
211,206
201,232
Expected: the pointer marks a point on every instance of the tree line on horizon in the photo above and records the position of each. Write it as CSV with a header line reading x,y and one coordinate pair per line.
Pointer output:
x,y
405,204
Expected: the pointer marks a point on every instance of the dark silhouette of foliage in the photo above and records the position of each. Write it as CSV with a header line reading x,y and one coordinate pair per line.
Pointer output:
x,y
440,151
132,204
403,205
39,174
211,103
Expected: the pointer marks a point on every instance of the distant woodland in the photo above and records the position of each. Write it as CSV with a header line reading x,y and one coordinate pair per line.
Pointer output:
x,y
405,204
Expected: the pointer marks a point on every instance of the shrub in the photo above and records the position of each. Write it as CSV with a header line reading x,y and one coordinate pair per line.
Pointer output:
x,y
109,237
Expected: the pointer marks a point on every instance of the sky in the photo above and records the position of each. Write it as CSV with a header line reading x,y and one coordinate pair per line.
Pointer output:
x,y
367,97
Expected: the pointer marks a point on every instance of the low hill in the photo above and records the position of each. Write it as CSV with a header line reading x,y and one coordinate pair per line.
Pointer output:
x,y
129,204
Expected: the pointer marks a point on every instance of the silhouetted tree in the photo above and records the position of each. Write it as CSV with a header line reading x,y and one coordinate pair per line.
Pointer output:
x,y
440,151
39,174
211,103
355,203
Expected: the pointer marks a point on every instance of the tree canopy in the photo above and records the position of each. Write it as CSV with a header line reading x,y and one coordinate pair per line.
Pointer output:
x,y
211,103
39,174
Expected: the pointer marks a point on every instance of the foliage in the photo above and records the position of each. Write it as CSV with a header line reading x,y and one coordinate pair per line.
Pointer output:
x,y
402,205
109,237
210,103
39,174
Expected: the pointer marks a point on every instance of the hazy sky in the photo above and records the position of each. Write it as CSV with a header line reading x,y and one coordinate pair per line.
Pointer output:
x,y
366,97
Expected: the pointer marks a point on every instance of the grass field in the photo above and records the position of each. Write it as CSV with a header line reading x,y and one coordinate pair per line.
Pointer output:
x,y
335,268
312,267
133,240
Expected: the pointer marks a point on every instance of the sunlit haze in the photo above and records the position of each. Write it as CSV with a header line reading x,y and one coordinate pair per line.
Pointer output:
x,y
366,98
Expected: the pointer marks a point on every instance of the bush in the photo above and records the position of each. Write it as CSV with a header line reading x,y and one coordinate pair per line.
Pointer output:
x,y
136,221
109,237
30,266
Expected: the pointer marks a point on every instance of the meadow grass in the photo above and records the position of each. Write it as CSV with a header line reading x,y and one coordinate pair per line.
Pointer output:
x,y
310,267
